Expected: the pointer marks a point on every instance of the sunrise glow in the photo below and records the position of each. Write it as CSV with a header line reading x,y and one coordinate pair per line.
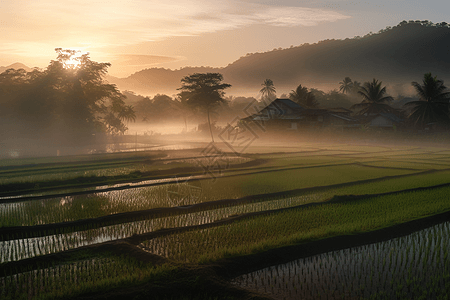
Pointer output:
x,y
72,63
232,149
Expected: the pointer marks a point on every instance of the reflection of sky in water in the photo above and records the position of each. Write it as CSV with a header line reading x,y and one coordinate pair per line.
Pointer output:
x,y
387,268
102,187
193,161
128,147
60,242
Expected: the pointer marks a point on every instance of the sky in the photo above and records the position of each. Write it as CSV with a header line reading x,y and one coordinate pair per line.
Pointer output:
x,y
136,34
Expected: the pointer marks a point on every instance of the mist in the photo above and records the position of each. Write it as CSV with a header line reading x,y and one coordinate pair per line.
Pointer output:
x,y
74,107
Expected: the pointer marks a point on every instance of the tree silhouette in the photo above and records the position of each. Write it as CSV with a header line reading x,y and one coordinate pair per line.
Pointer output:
x,y
374,99
433,103
127,114
302,96
268,90
183,107
203,91
356,86
91,104
67,101
346,85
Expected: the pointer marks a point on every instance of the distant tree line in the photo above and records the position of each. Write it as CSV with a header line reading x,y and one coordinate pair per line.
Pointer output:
x,y
431,107
369,98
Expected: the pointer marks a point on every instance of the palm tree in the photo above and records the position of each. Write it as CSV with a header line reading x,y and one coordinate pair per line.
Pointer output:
x,y
356,86
346,85
433,102
374,99
302,96
127,114
268,91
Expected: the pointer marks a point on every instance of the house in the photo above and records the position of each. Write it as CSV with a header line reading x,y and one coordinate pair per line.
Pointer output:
x,y
285,114
279,114
341,121
383,121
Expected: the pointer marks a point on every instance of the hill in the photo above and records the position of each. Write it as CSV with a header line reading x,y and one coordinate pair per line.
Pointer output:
x,y
396,55
157,80
15,66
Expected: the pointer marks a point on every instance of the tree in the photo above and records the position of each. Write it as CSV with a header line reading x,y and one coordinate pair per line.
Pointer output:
x,y
127,114
203,91
346,85
96,104
26,99
374,99
68,100
183,107
302,96
144,109
356,86
268,90
433,102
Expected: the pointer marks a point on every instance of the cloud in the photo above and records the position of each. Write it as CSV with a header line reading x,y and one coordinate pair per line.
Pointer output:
x,y
144,60
31,26
298,16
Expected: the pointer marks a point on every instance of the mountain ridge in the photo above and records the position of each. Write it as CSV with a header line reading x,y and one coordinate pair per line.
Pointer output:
x,y
16,65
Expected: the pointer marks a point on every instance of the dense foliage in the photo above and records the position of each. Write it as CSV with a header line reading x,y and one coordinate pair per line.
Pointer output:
x,y
68,102
203,91
433,103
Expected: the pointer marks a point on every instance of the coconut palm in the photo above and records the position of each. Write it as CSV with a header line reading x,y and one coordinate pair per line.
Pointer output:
x,y
127,114
433,103
346,85
268,91
303,97
356,85
374,99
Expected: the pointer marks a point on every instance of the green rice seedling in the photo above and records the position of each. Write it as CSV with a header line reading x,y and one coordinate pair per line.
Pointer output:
x,y
70,279
304,224
71,208
395,282
58,210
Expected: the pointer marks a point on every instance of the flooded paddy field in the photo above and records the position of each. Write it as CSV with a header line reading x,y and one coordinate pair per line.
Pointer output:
x,y
410,267
197,210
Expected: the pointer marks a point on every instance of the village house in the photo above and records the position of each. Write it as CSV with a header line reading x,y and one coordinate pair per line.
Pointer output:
x,y
285,114
386,121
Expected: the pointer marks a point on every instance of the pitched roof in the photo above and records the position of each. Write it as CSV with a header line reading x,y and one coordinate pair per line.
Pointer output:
x,y
288,102
339,110
391,117
343,117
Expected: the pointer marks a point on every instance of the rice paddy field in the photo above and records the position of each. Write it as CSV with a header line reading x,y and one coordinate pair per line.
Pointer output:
x,y
305,221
